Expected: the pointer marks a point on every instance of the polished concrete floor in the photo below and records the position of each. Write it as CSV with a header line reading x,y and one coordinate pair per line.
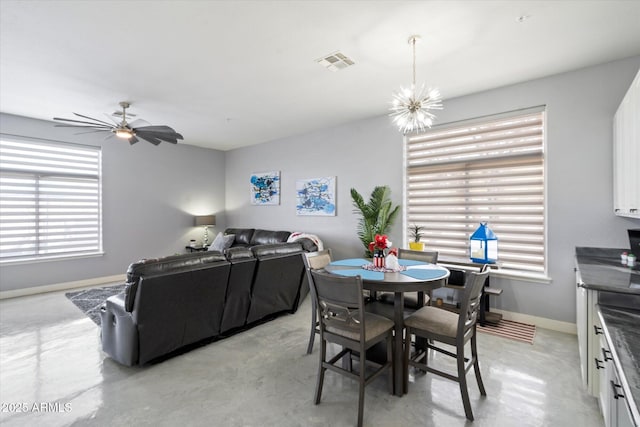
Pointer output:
x,y
50,356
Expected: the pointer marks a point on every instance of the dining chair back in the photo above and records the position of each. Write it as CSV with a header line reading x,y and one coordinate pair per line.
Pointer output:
x,y
412,300
426,256
439,325
343,321
315,261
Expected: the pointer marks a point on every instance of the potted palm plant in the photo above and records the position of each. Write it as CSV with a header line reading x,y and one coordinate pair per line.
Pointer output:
x,y
376,216
415,231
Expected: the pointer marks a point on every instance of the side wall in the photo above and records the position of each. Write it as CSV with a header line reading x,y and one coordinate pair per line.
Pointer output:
x,y
150,195
580,107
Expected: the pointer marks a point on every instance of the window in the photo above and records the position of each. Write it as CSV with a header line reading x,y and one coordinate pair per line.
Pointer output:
x,y
50,199
488,170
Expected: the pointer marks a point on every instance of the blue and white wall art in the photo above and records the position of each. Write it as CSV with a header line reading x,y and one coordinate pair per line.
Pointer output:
x,y
316,196
265,188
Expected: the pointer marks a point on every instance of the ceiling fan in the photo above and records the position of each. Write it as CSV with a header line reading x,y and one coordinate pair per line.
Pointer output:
x,y
123,129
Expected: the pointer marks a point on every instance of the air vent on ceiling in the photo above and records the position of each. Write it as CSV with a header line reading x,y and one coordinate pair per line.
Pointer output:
x,y
335,61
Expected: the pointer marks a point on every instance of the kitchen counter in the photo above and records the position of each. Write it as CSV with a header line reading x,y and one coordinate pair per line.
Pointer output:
x,y
623,336
601,270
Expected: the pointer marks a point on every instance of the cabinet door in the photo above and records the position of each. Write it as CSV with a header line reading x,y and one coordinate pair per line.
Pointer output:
x,y
582,325
594,332
620,412
606,372
626,153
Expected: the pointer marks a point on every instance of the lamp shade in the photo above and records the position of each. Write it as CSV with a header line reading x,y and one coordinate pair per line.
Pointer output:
x,y
205,220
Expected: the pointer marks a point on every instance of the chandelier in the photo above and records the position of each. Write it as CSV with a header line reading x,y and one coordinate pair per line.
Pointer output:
x,y
410,109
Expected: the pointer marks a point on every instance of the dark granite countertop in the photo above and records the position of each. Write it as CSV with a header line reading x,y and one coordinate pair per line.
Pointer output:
x,y
601,270
623,336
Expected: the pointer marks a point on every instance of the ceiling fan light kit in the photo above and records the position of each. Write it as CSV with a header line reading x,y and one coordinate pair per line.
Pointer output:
x,y
411,108
124,130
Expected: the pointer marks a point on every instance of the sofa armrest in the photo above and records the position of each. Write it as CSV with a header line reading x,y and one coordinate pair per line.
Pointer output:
x,y
118,332
309,242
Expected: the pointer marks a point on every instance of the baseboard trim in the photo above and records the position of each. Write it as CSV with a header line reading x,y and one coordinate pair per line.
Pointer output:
x,y
543,322
14,293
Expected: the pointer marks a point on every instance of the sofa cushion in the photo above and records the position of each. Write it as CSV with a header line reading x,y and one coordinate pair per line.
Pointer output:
x,y
238,252
243,235
154,266
267,237
276,249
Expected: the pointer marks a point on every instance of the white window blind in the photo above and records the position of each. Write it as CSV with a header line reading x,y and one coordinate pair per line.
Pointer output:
x,y
491,171
50,199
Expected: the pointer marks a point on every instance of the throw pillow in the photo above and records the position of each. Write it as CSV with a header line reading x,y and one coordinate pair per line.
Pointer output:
x,y
222,242
218,243
228,240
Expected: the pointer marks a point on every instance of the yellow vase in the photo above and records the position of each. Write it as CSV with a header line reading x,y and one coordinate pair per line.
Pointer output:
x,y
416,246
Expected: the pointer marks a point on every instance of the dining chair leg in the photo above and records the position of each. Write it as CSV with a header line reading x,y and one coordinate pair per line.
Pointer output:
x,y
361,391
314,325
391,375
462,380
405,362
476,365
321,371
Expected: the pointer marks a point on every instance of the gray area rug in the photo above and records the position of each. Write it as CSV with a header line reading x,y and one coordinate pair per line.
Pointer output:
x,y
90,300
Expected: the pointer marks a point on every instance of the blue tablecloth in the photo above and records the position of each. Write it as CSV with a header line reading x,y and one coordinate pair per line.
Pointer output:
x,y
365,274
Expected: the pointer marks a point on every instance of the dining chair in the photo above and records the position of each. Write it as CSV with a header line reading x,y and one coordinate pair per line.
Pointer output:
x,y
344,322
315,261
439,325
411,299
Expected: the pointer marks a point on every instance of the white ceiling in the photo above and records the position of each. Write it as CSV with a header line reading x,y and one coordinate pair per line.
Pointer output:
x,y
231,73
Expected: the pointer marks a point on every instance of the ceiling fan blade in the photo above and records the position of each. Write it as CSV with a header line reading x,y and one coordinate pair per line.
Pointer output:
x,y
148,137
92,131
155,128
102,128
158,134
133,140
82,122
159,129
169,137
95,120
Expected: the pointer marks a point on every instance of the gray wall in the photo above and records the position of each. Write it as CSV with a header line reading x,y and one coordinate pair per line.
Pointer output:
x,y
580,108
150,195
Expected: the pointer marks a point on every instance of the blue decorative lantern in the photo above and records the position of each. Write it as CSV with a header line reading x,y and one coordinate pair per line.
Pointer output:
x,y
483,245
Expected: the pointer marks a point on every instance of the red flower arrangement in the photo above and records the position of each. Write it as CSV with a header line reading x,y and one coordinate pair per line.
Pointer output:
x,y
381,242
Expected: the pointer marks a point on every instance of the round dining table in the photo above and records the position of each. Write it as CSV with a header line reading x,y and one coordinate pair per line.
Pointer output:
x,y
417,276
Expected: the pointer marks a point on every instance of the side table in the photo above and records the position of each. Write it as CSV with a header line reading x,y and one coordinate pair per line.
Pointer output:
x,y
198,248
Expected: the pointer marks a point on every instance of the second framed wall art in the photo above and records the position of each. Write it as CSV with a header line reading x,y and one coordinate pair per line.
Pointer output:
x,y
316,196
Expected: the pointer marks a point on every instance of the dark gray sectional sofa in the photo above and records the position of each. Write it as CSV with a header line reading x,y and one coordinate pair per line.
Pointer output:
x,y
172,302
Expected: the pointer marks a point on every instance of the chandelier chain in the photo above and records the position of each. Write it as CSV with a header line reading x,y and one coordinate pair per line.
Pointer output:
x,y
413,42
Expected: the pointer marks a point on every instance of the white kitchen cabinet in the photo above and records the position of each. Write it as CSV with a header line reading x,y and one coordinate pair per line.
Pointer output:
x,y
604,365
588,335
626,153
611,396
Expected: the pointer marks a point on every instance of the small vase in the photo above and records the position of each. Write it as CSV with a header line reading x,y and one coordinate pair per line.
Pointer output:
x,y
378,258
416,246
